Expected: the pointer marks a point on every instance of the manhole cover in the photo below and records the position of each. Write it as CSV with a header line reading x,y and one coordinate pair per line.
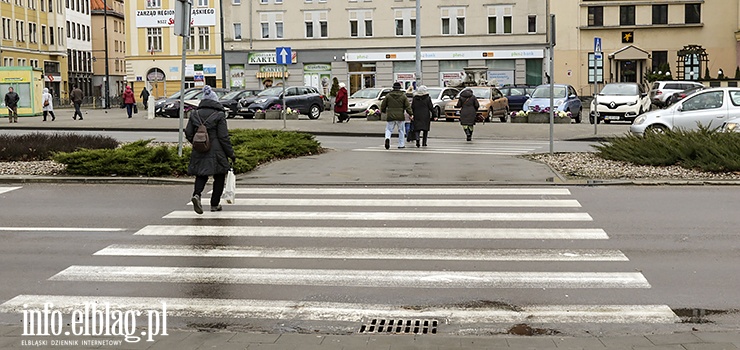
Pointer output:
x,y
400,326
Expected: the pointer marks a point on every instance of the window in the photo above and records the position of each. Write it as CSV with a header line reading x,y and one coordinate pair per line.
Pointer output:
x,y
190,43
237,31
43,34
598,66
7,29
453,20
532,24
153,4
693,13
405,21
627,15
154,39
20,31
272,25
361,23
32,37
204,38
202,3
595,16
61,36
236,2
499,19
314,20
660,14
660,59
51,36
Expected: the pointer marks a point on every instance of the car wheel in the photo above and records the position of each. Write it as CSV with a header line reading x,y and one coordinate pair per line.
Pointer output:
x,y
505,117
578,117
657,129
314,112
488,117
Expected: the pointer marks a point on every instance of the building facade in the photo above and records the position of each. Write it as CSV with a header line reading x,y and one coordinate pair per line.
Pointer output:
x,y
686,38
79,45
372,43
153,52
33,34
115,21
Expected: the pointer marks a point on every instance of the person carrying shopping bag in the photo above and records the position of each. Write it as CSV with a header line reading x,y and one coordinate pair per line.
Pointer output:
x,y
468,105
48,104
129,100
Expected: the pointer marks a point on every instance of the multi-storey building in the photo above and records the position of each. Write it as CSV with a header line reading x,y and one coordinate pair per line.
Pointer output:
x,y
639,37
372,42
153,52
33,35
116,46
79,45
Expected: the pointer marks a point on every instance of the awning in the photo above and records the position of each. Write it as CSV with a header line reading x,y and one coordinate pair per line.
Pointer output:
x,y
630,52
263,75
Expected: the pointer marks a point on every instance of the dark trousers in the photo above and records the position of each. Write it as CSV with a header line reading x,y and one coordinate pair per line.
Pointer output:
x,y
424,138
218,187
77,110
129,109
52,115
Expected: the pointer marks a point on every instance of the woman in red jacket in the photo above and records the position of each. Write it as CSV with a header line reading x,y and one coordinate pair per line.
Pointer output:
x,y
340,103
129,100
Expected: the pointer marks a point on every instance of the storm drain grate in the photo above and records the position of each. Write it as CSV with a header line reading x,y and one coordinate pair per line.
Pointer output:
x,y
400,326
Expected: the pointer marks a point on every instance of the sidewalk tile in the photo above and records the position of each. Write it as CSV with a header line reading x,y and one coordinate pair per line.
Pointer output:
x,y
660,347
719,337
381,340
294,347
677,338
483,342
352,341
418,347
175,340
262,338
207,340
585,343
8,330
293,339
443,342
531,342
711,346
627,341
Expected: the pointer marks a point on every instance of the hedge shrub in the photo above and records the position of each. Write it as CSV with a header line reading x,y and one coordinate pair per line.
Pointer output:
x,y
40,146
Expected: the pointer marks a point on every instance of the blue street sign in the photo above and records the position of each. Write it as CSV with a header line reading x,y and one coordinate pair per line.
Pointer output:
x,y
283,55
597,47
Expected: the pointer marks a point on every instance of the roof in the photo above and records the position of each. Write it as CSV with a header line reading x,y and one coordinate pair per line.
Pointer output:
x,y
99,5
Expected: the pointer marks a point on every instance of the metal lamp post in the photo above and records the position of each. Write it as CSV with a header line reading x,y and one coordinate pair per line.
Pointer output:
x,y
107,68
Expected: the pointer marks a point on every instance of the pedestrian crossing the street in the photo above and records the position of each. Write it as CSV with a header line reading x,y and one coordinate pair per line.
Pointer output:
x,y
444,226
461,147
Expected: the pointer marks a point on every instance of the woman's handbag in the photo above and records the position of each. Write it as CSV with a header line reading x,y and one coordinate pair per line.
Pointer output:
x,y
136,108
229,194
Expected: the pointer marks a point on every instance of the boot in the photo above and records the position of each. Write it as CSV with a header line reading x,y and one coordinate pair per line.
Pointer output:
x,y
468,134
424,140
470,137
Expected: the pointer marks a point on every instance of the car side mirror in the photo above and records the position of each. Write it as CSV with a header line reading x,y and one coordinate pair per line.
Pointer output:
x,y
643,94
381,98
572,96
679,108
446,98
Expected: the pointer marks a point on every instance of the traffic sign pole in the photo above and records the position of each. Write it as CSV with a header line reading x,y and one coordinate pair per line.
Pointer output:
x,y
597,57
284,57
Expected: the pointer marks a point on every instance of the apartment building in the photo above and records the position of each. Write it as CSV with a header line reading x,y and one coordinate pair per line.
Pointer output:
x,y
372,42
108,13
689,37
33,35
153,52
79,45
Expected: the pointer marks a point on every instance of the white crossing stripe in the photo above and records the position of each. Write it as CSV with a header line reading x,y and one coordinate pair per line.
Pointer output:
x,y
374,232
365,253
349,312
554,203
354,278
383,216
384,191
8,189
440,151
62,229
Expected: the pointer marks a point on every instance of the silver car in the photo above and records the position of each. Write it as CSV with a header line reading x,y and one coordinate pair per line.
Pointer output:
x,y
709,108
732,125
365,99
440,97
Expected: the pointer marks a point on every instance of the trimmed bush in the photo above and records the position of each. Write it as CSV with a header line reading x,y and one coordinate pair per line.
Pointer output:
x,y
252,148
41,146
704,149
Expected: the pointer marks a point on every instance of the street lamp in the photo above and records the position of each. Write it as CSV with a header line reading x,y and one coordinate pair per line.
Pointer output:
x,y
107,69
720,74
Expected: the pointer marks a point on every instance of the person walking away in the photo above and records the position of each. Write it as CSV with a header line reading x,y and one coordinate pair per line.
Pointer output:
x,y
214,162
468,105
145,97
394,105
340,103
77,97
48,104
11,102
129,100
423,108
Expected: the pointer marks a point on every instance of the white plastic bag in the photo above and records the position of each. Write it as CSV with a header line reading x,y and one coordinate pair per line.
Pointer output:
x,y
229,194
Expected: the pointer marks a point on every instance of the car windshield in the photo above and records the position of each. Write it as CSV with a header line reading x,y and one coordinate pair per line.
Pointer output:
x,y
195,94
480,93
620,90
273,91
434,93
517,92
366,93
544,91
230,95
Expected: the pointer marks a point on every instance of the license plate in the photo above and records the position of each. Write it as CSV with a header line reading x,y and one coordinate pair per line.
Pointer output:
x,y
457,113
243,110
612,117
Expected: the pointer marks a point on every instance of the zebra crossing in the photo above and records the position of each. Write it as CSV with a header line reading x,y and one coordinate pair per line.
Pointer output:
x,y
343,214
461,147
8,189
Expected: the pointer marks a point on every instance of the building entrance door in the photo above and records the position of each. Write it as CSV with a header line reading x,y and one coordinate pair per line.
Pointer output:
x,y
628,71
361,80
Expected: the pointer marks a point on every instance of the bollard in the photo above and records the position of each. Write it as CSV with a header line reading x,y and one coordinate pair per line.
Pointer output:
x,y
150,110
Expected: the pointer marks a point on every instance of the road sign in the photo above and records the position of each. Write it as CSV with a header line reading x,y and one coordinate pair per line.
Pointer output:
x,y
597,48
283,55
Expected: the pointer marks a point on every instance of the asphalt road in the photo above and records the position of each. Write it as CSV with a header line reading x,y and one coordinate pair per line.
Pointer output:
x,y
664,246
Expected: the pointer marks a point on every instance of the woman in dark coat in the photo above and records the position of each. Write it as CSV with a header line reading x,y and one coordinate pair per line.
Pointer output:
x,y
468,105
215,162
422,107
340,103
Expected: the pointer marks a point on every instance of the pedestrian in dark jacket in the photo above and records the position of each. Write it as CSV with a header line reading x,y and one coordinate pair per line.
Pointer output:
x,y
77,97
422,107
468,105
215,162
145,97
11,102
129,100
394,105
340,103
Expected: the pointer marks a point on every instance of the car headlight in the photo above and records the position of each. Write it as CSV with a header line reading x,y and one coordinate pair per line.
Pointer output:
x,y
449,106
731,127
558,103
262,100
170,105
633,103
639,120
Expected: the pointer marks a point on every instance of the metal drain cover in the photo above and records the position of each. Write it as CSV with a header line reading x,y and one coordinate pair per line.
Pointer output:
x,y
400,326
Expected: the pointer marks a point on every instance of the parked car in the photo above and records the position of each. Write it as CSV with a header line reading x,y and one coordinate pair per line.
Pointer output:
x,y
231,100
441,96
492,103
306,99
167,101
365,99
566,100
620,102
681,95
194,101
661,91
171,108
710,108
517,95
732,125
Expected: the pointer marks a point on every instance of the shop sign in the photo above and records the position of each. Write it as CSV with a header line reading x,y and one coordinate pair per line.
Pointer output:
x,y
267,57
200,17
14,80
317,67
444,55
501,78
278,69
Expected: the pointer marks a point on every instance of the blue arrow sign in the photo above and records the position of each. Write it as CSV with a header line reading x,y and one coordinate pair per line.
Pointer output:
x,y
284,55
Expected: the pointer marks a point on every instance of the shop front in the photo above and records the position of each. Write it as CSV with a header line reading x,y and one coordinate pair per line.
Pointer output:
x,y
318,75
28,83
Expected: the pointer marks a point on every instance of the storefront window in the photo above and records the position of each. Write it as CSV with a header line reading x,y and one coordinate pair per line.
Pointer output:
x,y
451,73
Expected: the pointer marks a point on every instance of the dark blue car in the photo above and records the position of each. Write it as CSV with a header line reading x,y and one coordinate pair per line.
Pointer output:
x,y
517,95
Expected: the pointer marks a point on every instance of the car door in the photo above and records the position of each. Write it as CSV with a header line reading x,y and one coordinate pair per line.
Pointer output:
x,y
574,103
708,109
292,100
499,102
733,105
